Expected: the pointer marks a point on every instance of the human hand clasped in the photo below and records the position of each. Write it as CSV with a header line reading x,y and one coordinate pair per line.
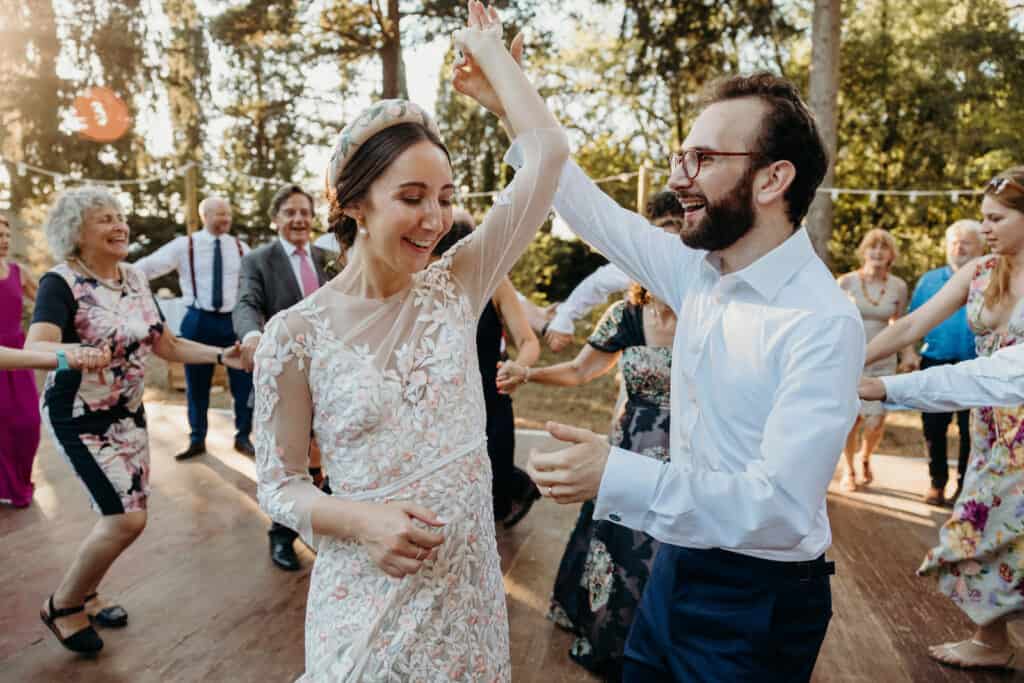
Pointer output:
x,y
232,357
482,30
88,358
871,389
510,375
394,541
571,475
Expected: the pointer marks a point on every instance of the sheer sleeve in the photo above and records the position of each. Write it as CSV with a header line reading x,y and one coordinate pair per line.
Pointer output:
x,y
485,257
282,422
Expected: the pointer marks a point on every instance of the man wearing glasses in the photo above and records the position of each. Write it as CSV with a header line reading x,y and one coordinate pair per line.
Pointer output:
x,y
765,364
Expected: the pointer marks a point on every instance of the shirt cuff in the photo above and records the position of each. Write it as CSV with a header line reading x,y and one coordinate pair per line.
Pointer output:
x,y
627,488
561,323
896,388
250,335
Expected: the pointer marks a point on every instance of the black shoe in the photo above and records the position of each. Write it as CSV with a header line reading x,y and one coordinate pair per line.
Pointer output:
x,y
282,552
192,451
85,641
244,446
520,507
108,617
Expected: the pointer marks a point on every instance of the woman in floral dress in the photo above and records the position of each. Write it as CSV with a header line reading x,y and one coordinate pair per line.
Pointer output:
x,y
93,305
980,559
605,566
380,366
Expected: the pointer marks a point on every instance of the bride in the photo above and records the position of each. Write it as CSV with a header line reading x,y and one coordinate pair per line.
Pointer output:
x,y
379,366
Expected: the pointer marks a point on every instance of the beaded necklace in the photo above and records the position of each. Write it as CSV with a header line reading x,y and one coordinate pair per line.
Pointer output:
x,y
864,289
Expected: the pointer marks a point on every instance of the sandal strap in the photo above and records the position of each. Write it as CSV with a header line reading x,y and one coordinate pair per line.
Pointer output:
x,y
64,611
91,596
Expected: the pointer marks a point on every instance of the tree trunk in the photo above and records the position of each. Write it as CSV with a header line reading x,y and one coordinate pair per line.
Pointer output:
x,y
824,91
391,56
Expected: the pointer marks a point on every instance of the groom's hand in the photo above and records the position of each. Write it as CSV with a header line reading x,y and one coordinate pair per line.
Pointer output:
x,y
573,474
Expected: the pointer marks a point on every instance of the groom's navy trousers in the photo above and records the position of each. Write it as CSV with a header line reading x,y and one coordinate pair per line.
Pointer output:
x,y
713,615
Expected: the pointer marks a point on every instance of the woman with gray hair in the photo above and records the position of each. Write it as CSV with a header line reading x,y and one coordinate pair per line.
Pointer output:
x,y
94,301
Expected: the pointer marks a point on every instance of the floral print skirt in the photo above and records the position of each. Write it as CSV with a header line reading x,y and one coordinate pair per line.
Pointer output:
x,y
605,566
109,451
980,559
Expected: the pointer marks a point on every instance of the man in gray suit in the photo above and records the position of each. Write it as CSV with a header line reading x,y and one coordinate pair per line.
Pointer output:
x,y
274,277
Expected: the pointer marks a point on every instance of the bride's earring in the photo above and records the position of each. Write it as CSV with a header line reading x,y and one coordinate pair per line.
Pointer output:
x,y
360,228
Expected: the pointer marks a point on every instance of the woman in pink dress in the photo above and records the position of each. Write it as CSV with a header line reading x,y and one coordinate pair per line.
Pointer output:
x,y
19,402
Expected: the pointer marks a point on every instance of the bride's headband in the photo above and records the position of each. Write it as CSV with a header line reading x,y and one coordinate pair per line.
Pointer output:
x,y
371,121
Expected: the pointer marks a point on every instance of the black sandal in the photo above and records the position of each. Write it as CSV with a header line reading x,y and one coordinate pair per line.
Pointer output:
x,y
85,641
108,617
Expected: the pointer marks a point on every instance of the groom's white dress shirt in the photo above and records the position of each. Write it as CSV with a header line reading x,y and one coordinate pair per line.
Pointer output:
x,y
997,380
765,366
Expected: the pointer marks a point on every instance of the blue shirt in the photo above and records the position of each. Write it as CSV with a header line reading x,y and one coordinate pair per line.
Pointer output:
x,y
952,339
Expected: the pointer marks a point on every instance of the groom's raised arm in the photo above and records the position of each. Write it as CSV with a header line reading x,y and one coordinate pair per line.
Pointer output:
x,y
654,258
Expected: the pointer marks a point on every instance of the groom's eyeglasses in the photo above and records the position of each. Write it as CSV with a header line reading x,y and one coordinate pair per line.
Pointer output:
x,y
690,160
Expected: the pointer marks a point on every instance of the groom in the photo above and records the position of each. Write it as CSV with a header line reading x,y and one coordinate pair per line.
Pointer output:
x,y
765,366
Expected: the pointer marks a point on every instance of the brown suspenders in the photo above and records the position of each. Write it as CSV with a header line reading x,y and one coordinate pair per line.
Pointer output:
x,y
192,267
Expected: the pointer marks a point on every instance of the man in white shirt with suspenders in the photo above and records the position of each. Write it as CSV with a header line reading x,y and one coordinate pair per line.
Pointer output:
x,y
208,264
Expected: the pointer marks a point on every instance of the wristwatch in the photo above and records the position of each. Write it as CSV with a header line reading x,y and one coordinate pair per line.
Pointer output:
x,y
62,361
220,358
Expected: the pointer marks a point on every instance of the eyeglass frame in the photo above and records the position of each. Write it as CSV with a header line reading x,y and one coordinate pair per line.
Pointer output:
x,y
997,185
678,159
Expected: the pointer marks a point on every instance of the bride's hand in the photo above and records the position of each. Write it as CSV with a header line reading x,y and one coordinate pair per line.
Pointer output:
x,y
395,544
467,77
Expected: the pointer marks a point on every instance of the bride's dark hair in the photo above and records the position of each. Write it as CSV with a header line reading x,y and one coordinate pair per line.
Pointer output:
x,y
369,162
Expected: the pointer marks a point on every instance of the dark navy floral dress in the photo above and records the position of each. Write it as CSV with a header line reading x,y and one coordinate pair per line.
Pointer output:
x,y
97,419
605,566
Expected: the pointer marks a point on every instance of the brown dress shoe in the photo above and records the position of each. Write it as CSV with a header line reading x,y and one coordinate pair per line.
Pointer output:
x,y
935,497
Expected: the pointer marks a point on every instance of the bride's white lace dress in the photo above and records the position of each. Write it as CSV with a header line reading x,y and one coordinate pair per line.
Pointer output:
x,y
391,390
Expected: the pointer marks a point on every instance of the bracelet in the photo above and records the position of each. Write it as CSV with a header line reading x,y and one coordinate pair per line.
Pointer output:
x,y
62,361
220,358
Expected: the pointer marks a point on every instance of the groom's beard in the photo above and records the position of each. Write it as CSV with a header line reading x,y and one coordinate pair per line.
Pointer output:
x,y
726,221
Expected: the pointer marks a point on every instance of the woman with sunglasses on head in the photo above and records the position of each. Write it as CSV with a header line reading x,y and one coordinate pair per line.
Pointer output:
x,y
980,558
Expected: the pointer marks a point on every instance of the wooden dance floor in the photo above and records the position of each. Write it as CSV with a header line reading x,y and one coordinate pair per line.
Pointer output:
x,y
207,605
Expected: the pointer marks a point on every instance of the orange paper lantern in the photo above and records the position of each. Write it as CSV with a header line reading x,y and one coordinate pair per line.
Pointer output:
x,y
104,116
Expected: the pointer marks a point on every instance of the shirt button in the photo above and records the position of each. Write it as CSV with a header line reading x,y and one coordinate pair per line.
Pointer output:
x,y
615,517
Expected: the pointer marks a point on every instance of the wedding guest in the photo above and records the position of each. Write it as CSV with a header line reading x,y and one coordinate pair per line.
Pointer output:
x,y
380,366
662,210
881,298
19,402
764,376
274,277
513,492
208,265
92,298
605,566
979,561
950,342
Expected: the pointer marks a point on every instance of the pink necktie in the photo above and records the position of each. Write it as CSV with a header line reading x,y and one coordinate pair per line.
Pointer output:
x,y
309,282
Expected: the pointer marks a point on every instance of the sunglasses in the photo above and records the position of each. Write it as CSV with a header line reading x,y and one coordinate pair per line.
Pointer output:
x,y
999,184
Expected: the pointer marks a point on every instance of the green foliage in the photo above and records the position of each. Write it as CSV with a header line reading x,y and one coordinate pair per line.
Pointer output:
x,y
552,266
930,99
